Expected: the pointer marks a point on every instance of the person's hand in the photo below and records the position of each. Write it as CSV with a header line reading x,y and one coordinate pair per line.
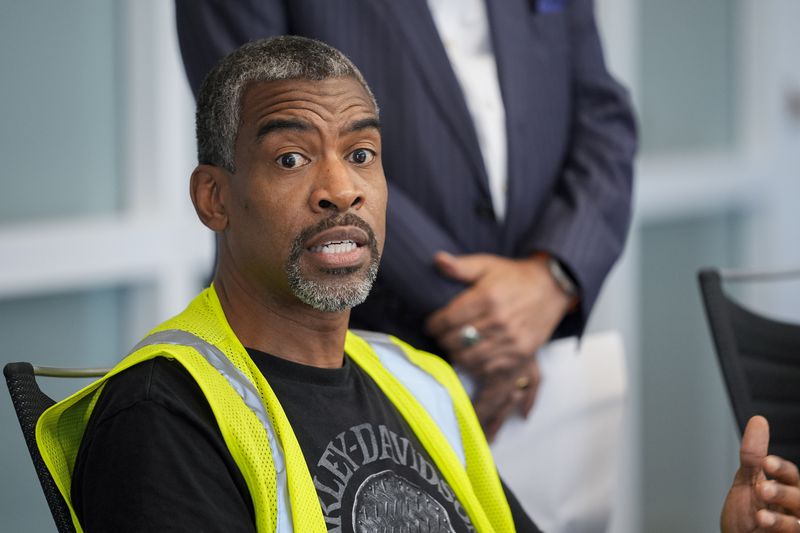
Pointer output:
x,y
754,503
512,304
505,391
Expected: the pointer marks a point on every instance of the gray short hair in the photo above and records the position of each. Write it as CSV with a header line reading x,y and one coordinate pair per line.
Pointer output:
x,y
278,58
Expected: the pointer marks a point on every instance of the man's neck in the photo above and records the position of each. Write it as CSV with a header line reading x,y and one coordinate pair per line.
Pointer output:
x,y
290,330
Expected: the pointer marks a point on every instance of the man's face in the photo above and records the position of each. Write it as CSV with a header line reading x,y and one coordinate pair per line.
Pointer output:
x,y
306,213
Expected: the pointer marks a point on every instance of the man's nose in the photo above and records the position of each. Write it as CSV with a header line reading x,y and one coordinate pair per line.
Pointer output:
x,y
336,188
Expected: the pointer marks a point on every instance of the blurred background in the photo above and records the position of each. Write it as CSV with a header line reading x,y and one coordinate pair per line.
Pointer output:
x,y
99,243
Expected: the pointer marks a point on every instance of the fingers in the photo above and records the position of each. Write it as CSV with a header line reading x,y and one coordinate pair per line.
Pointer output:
x,y
781,470
785,497
491,289
783,491
527,400
772,522
491,337
464,268
529,393
464,309
488,357
498,349
507,392
504,361
754,503
489,363
494,408
508,300
503,343
753,451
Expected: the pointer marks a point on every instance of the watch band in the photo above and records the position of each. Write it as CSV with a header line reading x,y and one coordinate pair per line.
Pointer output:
x,y
562,279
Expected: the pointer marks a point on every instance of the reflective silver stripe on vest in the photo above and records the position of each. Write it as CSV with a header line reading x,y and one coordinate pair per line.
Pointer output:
x,y
431,394
247,391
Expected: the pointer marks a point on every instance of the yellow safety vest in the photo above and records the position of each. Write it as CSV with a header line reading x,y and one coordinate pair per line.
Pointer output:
x,y
252,420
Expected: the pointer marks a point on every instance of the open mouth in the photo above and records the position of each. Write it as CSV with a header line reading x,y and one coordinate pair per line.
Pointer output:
x,y
338,247
334,247
337,240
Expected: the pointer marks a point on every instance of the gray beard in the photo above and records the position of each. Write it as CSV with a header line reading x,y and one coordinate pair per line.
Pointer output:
x,y
335,295
345,288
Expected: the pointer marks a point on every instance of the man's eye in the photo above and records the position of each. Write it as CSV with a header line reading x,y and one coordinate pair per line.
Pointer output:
x,y
292,160
361,156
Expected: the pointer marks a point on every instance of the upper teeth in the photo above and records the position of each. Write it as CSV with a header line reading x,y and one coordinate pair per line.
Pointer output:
x,y
336,247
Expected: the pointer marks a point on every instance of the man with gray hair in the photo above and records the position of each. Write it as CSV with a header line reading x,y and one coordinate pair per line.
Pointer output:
x,y
255,409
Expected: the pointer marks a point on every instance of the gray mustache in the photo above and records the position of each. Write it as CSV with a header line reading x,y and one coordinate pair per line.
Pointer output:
x,y
346,219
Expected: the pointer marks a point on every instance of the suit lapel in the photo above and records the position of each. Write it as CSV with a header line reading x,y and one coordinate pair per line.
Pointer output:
x,y
524,84
422,39
510,28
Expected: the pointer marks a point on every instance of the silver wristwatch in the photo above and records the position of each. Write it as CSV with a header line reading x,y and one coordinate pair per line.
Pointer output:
x,y
563,280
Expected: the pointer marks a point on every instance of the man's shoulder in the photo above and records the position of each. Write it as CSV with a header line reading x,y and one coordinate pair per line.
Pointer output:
x,y
160,381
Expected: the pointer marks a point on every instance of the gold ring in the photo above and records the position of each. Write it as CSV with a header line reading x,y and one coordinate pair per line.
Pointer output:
x,y
522,382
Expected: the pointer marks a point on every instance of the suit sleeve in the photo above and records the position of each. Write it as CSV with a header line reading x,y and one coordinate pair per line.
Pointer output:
x,y
208,30
585,222
412,240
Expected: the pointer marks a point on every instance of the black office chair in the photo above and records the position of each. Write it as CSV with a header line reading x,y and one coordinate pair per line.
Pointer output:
x,y
759,357
29,403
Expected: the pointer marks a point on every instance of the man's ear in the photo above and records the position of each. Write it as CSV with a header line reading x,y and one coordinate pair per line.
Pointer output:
x,y
209,190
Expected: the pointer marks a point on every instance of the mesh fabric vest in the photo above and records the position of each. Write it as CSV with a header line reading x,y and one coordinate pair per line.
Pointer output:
x,y
257,431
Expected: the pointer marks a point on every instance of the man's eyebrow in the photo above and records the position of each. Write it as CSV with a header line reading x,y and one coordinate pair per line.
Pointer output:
x,y
281,124
363,124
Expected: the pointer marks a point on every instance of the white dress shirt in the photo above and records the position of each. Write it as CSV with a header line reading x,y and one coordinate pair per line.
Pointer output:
x,y
463,26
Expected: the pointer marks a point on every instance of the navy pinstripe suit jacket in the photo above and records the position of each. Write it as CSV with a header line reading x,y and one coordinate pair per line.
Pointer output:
x,y
571,137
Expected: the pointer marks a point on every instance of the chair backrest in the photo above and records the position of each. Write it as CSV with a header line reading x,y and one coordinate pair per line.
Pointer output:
x,y
759,358
29,404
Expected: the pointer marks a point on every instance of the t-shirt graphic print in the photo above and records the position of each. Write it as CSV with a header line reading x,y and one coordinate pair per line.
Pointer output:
x,y
370,470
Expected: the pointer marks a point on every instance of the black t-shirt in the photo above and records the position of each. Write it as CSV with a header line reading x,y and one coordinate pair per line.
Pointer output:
x,y
370,471
154,459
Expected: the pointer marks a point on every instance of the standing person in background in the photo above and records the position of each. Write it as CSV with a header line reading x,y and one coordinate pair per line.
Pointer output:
x,y
508,153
